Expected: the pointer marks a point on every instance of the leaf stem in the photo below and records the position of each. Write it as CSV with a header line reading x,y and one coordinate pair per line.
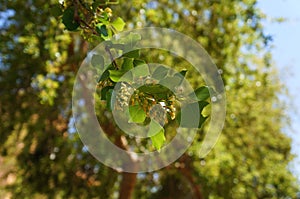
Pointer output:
x,y
107,49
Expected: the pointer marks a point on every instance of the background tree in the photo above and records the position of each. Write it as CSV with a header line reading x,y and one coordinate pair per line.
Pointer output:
x,y
42,156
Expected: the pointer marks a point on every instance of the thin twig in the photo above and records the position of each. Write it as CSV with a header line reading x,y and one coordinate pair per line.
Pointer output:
x,y
81,21
89,27
111,58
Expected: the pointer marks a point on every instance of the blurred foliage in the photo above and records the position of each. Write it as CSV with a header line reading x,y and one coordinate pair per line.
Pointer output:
x,y
43,157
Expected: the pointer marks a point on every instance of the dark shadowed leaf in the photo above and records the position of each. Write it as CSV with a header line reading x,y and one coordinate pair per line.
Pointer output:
x,y
56,10
104,92
132,54
202,93
101,29
138,62
109,99
68,19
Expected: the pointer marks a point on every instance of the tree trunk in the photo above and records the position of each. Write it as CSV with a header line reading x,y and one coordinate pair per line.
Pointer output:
x,y
128,179
127,185
186,170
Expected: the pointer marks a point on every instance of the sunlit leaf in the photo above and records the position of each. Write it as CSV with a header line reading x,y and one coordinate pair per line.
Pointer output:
x,y
115,75
157,134
137,114
118,24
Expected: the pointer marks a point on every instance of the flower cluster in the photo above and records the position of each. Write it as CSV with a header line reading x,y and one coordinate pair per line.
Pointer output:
x,y
123,96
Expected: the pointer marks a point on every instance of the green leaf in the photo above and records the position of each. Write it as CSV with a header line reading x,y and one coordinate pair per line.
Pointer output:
x,y
104,18
191,116
189,110
97,61
137,114
101,29
160,72
170,82
95,5
104,92
130,40
183,72
138,62
115,75
154,128
181,75
56,10
141,71
109,99
95,39
117,46
158,139
202,93
127,64
68,19
132,54
154,89
157,134
105,75
118,24
202,105
202,120
127,77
